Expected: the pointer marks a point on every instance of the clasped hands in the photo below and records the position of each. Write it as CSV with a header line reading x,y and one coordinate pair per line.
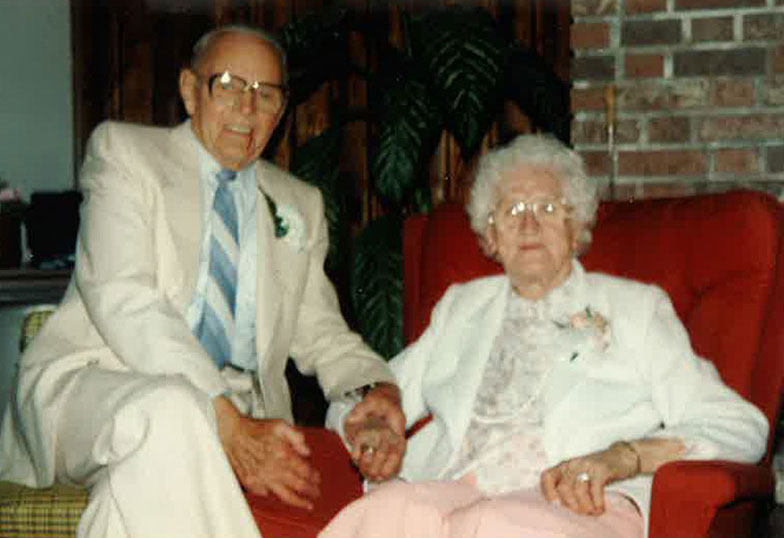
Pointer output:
x,y
375,430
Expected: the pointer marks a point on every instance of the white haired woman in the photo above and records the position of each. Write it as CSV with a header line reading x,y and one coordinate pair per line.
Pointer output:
x,y
555,393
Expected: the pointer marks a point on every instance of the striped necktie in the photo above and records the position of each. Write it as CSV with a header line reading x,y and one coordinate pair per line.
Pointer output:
x,y
216,328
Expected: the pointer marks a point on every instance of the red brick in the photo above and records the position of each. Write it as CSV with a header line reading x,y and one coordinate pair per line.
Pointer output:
x,y
595,131
656,32
732,92
709,4
736,160
778,59
668,189
661,163
584,35
597,163
657,94
742,126
775,157
738,61
763,26
593,67
669,129
712,29
644,6
644,65
774,91
582,8
587,98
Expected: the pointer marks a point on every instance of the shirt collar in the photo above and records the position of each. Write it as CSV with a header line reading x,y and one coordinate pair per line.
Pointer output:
x,y
209,167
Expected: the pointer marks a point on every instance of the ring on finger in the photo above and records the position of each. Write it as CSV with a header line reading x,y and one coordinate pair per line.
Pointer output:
x,y
583,477
367,449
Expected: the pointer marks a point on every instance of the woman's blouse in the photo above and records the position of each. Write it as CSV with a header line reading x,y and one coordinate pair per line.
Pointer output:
x,y
502,449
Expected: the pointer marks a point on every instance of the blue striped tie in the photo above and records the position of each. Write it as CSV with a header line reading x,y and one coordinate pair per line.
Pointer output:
x,y
216,329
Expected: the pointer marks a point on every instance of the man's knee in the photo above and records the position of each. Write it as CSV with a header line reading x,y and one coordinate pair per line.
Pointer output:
x,y
168,407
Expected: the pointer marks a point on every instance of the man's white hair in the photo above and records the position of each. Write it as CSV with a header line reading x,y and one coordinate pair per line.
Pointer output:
x,y
205,42
535,150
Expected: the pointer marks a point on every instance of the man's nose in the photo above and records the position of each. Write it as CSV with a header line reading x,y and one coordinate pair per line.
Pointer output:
x,y
247,103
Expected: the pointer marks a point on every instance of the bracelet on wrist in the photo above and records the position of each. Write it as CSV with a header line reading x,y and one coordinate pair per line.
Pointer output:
x,y
626,445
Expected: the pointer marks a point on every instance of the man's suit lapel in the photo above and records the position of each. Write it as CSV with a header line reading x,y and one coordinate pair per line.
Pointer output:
x,y
182,198
268,288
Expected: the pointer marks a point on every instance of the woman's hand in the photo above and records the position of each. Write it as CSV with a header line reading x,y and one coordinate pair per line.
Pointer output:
x,y
375,429
579,483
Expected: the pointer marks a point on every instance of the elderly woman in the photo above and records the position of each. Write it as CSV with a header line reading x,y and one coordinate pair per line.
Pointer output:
x,y
555,393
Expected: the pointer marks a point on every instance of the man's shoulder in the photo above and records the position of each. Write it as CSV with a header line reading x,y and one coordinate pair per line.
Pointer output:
x,y
123,129
121,136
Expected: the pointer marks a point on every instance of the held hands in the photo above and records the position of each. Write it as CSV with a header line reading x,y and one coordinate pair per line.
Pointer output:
x,y
267,455
375,429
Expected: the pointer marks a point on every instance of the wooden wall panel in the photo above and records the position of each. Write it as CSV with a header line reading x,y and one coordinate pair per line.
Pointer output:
x,y
127,56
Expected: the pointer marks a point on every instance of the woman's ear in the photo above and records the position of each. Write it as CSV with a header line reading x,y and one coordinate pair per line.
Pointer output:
x,y
188,90
489,242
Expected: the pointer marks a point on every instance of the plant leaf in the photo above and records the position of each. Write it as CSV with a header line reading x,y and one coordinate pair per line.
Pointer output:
x,y
316,51
464,53
538,91
408,128
377,285
316,162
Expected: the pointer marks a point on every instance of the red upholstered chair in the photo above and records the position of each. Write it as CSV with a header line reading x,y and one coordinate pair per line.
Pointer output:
x,y
340,484
721,259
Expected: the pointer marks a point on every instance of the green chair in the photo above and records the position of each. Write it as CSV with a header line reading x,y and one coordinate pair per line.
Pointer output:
x,y
39,513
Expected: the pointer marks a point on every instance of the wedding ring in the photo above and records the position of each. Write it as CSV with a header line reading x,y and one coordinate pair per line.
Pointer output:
x,y
583,477
367,449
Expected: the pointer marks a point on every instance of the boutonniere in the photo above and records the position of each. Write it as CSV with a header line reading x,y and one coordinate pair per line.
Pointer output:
x,y
589,328
288,223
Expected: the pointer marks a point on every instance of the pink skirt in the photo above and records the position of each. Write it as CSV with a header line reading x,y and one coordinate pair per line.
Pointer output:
x,y
450,509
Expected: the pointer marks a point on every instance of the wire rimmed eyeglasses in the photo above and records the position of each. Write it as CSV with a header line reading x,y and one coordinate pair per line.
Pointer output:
x,y
228,90
544,211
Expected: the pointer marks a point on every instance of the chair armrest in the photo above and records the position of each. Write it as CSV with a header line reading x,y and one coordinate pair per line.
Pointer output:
x,y
687,494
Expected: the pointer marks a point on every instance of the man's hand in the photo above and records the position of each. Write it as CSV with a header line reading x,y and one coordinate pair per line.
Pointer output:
x,y
267,455
375,428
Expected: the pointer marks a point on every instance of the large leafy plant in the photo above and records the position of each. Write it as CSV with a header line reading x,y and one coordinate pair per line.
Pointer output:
x,y
453,72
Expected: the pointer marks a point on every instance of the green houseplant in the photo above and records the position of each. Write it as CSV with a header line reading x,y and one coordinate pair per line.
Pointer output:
x,y
453,72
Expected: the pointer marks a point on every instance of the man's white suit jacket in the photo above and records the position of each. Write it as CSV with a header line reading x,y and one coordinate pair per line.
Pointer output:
x,y
136,270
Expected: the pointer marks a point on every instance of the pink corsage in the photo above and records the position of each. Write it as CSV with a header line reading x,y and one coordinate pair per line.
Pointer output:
x,y
593,329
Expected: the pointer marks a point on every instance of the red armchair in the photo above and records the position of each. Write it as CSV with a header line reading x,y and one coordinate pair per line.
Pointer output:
x,y
721,259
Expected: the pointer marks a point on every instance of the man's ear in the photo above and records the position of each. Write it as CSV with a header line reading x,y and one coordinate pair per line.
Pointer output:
x,y
188,84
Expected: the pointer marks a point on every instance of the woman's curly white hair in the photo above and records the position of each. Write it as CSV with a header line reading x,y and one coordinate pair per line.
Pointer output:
x,y
535,150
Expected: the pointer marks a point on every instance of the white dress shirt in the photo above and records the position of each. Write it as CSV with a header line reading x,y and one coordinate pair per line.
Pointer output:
x,y
244,190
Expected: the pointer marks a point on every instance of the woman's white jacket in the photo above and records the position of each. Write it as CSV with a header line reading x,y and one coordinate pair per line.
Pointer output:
x,y
647,382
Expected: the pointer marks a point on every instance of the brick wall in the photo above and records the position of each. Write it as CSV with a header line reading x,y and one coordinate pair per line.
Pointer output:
x,y
698,88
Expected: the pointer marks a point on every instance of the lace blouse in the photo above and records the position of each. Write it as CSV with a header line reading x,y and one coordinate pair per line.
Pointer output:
x,y
502,449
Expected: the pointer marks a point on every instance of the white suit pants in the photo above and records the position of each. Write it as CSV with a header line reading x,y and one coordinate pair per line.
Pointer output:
x,y
147,447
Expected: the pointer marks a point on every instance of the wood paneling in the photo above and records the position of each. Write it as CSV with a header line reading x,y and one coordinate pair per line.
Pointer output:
x,y
127,55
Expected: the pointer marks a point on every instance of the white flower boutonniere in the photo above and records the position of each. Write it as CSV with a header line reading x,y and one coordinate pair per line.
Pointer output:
x,y
288,222
589,329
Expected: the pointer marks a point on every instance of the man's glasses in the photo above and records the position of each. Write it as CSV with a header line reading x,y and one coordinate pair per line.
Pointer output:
x,y
545,211
228,90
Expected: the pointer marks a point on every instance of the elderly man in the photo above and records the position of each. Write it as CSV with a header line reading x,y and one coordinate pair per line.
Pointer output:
x,y
159,382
